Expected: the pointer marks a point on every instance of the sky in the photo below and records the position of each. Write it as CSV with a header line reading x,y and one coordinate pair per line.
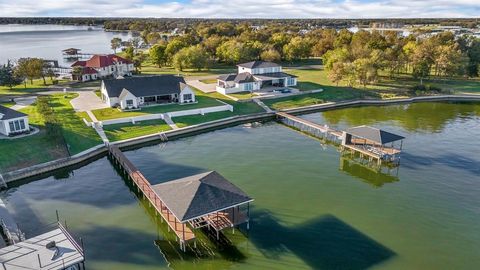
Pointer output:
x,y
243,8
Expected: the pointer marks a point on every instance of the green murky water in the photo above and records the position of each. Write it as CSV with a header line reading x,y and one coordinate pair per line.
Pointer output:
x,y
313,208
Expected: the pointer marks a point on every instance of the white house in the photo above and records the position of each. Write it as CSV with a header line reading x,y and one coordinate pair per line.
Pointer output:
x,y
13,122
254,76
103,66
136,92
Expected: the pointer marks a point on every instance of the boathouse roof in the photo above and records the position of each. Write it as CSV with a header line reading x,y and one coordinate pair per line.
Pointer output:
x,y
198,195
374,134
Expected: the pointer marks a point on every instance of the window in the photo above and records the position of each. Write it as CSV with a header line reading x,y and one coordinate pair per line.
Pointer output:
x,y
248,87
129,102
22,124
187,97
291,81
17,125
12,128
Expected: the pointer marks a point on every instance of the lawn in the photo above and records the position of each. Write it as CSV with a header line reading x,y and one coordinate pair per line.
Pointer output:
x,y
125,131
77,135
22,90
24,152
209,81
239,108
242,95
329,94
149,68
7,104
113,113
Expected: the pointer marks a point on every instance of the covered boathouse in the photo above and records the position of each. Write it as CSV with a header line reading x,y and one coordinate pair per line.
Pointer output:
x,y
202,200
373,143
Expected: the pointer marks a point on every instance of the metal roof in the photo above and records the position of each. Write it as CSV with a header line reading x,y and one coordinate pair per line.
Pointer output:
x,y
374,134
198,195
7,113
146,86
243,77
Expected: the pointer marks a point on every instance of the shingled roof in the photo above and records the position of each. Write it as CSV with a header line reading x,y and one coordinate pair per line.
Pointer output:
x,y
7,113
146,86
374,134
243,77
195,196
258,64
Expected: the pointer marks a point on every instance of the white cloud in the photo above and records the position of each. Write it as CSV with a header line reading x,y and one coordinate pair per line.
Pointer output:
x,y
245,9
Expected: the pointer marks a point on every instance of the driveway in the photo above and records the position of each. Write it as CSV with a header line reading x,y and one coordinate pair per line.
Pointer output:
x,y
204,87
23,102
87,101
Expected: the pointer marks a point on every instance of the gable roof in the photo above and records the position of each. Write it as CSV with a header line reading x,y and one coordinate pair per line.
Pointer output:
x,y
374,134
258,64
7,113
200,194
102,60
243,77
146,85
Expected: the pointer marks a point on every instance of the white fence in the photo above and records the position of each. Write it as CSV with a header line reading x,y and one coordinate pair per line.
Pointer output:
x,y
202,111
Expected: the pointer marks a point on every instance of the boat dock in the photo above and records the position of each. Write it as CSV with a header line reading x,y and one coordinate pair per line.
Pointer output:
x,y
313,129
180,204
369,142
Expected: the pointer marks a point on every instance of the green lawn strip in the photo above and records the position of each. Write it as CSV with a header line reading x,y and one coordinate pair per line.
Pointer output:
x,y
7,104
148,69
113,113
96,83
84,115
28,151
188,120
125,131
77,135
23,89
329,94
98,93
209,81
242,95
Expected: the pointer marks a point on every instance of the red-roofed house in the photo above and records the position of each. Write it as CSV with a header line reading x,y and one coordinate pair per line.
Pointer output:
x,y
103,66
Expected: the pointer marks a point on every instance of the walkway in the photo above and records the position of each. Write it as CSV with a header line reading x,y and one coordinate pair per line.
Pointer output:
x,y
261,104
169,121
87,101
99,129
23,102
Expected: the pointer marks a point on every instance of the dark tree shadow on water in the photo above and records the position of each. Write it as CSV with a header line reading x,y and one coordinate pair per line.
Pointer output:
x,y
323,243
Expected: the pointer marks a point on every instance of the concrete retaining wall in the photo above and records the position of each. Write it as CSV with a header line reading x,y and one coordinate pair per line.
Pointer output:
x,y
133,119
202,111
192,130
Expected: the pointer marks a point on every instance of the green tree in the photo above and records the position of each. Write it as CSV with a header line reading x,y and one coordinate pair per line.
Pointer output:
x,y
158,55
115,44
191,57
30,68
297,48
173,47
8,77
270,55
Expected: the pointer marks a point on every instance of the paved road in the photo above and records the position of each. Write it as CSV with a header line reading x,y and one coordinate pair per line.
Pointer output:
x,y
87,101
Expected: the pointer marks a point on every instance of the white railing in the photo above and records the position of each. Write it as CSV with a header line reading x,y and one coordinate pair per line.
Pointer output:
x,y
202,111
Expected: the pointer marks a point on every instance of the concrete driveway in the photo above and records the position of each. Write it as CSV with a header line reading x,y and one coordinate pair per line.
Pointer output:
x,y
23,102
204,87
87,101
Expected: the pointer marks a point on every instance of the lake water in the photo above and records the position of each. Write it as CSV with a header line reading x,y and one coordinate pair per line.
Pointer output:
x,y
313,208
48,41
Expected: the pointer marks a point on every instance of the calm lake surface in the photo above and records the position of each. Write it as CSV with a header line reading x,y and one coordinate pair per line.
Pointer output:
x,y
313,209
48,41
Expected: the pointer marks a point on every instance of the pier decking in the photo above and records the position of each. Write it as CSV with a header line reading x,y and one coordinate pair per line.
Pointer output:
x,y
190,203
367,141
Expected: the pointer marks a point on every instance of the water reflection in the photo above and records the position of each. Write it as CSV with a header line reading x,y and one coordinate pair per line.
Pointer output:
x,y
370,173
327,242
412,117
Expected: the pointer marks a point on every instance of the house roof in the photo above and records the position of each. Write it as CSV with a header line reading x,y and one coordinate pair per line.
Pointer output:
x,y
7,113
146,86
243,77
79,63
89,70
275,75
102,60
258,64
374,134
199,195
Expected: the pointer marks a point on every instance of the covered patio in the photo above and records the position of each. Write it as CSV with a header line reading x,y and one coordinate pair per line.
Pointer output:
x,y
374,143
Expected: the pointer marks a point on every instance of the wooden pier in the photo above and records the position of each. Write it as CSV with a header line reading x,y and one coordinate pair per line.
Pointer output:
x,y
313,129
173,200
367,141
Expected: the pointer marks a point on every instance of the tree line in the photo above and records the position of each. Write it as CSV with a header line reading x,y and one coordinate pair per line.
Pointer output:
x,y
25,69
348,57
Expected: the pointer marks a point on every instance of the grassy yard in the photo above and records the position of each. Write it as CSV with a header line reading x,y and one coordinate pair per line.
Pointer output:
x,y
22,90
77,135
242,95
125,131
24,152
209,81
189,120
149,68
113,113
7,104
